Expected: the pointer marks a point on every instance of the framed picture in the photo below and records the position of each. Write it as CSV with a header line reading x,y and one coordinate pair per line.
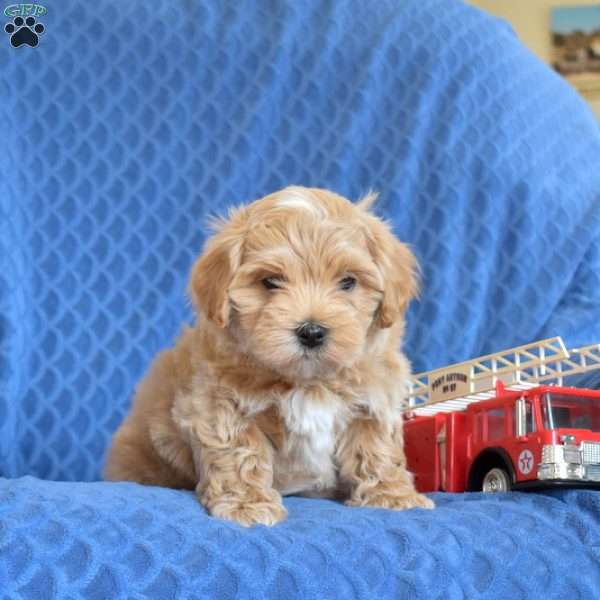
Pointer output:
x,y
576,46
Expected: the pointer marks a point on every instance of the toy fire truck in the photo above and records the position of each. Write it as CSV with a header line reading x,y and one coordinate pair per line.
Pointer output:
x,y
505,421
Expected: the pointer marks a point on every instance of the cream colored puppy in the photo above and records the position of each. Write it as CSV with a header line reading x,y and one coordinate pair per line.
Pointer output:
x,y
291,381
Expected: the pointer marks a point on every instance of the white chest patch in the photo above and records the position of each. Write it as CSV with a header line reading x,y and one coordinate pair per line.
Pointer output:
x,y
306,462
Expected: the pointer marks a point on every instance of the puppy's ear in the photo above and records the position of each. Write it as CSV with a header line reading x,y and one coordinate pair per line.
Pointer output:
x,y
214,270
398,267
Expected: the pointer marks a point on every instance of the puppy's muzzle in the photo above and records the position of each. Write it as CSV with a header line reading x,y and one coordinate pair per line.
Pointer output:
x,y
311,335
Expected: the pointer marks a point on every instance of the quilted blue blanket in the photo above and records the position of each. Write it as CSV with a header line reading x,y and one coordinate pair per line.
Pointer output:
x,y
99,540
125,124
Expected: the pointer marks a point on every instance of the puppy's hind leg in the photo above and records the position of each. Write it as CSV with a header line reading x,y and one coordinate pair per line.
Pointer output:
x,y
133,456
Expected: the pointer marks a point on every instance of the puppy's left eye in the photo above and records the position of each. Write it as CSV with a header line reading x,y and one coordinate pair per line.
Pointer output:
x,y
271,283
347,283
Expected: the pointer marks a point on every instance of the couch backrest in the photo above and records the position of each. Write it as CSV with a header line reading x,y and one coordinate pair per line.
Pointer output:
x,y
131,121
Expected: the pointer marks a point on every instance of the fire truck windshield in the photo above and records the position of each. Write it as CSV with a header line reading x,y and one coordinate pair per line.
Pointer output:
x,y
571,412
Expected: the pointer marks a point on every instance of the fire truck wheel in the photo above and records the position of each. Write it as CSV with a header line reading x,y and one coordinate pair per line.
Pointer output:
x,y
496,480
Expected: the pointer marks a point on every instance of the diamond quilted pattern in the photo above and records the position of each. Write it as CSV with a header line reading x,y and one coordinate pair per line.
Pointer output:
x,y
100,540
130,123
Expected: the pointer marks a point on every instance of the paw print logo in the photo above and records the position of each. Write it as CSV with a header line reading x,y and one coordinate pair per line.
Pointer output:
x,y
24,31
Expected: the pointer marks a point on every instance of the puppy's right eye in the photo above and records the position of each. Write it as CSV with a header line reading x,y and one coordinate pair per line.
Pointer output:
x,y
348,283
271,283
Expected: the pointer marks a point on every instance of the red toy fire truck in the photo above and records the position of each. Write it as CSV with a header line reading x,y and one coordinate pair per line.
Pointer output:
x,y
505,421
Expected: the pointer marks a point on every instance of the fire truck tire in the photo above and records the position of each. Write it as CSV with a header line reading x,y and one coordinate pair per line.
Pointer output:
x,y
496,480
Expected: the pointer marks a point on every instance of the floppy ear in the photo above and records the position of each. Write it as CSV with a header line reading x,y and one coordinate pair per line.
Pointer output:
x,y
398,267
214,270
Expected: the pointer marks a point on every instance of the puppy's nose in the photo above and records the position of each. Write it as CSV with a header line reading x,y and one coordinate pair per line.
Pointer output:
x,y
311,335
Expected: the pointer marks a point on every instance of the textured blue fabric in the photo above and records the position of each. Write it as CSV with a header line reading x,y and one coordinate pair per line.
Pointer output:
x,y
128,124
113,541
131,122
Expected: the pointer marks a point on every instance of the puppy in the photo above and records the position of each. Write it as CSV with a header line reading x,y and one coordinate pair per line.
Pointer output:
x,y
291,381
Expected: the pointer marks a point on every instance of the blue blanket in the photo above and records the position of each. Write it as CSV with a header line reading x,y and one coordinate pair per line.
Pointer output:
x,y
99,540
128,124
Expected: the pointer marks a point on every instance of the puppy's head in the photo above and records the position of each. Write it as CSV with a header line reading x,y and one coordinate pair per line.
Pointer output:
x,y
304,280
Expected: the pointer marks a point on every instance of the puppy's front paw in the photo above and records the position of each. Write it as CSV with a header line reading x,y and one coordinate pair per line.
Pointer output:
x,y
246,505
250,513
394,501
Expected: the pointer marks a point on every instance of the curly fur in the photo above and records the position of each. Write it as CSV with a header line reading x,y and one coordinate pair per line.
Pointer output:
x,y
238,410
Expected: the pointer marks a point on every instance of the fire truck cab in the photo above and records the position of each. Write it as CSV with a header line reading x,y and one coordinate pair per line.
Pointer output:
x,y
460,435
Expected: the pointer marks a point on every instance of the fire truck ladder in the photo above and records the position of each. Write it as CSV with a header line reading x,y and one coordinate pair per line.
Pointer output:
x,y
454,387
